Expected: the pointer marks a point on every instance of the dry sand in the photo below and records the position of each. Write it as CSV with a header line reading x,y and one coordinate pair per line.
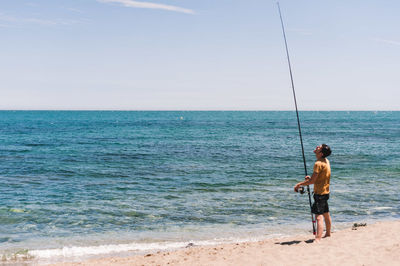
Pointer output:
x,y
375,244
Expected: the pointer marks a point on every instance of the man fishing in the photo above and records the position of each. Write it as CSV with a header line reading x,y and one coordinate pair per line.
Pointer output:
x,y
320,178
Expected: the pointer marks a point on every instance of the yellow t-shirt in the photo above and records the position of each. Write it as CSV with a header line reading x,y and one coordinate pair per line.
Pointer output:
x,y
323,169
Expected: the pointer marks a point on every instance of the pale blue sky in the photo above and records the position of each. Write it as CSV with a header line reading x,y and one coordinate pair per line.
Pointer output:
x,y
198,55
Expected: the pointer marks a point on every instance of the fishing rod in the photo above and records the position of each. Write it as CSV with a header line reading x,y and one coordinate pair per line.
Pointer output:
x,y
298,119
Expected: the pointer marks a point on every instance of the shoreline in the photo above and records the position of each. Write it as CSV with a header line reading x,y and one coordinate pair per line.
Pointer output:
x,y
377,243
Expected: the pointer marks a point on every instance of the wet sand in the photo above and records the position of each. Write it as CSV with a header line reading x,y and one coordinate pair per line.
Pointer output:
x,y
373,244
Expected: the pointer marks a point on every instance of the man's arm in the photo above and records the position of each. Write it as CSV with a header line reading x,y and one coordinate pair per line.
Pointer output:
x,y
307,181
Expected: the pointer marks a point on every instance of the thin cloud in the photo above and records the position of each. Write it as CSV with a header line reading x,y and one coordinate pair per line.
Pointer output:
x,y
137,4
44,22
76,10
32,4
387,41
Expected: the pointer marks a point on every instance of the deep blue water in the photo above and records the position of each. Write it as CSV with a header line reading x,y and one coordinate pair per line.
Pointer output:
x,y
87,177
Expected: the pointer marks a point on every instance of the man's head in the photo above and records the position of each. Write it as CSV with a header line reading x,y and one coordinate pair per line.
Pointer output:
x,y
322,151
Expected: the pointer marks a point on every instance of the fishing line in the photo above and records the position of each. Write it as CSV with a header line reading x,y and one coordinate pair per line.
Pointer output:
x,y
297,114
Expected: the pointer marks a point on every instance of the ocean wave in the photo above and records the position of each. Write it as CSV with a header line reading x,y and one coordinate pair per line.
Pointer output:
x,y
135,247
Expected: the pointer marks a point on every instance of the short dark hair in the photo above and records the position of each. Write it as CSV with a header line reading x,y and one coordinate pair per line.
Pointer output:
x,y
326,150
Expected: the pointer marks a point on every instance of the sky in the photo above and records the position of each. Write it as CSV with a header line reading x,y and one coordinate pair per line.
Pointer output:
x,y
198,55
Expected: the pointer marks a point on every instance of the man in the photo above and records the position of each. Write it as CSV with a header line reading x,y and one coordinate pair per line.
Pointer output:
x,y
320,178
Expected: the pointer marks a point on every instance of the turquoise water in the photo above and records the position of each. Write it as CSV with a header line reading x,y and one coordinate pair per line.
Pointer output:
x,y
148,179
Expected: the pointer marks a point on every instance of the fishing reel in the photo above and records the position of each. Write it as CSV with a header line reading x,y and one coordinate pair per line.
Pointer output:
x,y
302,190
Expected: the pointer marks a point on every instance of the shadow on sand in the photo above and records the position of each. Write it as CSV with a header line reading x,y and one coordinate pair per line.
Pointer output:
x,y
294,242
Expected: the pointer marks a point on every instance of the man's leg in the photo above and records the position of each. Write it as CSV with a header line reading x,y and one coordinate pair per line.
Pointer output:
x,y
320,226
328,223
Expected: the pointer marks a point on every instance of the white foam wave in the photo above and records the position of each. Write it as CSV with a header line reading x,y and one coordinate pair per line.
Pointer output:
x,y
76,251
102,249
382,208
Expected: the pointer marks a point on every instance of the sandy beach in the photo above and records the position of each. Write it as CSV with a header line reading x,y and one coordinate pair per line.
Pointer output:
x,y
373,244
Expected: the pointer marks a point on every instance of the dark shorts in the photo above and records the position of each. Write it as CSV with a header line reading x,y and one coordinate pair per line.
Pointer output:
x,y
320,205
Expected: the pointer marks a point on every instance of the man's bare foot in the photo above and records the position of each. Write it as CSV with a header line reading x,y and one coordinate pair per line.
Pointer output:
x,y
327,235
317,240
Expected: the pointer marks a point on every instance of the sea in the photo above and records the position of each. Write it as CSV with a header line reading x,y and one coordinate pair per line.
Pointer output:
x,y
76,184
